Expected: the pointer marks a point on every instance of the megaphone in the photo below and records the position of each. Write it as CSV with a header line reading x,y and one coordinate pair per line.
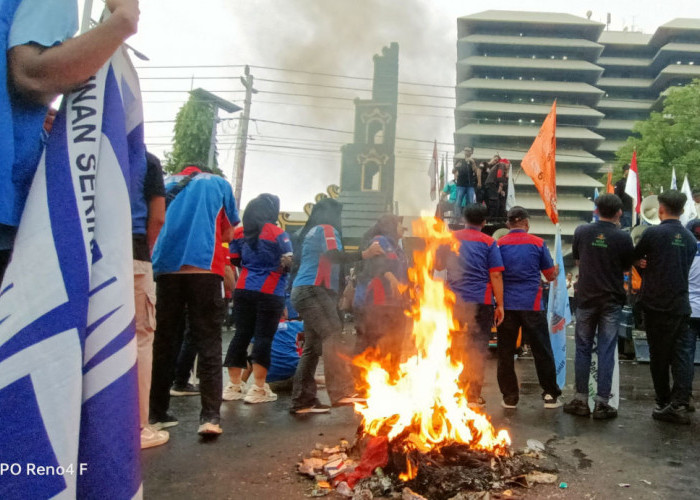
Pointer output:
x,y
649,210
636,233
500,232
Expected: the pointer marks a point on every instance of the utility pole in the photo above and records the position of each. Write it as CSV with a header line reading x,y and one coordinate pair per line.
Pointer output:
x,y
241,143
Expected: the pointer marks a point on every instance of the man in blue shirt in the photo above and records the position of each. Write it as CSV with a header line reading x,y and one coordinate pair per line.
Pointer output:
x,y
189,260
525,256
38,63
474,275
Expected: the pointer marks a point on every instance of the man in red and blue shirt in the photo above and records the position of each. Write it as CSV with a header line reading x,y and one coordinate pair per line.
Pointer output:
x,y
525,256
189,261
474,275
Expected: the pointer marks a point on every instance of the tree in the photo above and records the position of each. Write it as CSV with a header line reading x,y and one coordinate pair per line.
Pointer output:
x,y
667,139
192,136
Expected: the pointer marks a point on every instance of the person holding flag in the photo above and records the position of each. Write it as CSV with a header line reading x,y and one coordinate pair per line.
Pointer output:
x,y
41,61
603,253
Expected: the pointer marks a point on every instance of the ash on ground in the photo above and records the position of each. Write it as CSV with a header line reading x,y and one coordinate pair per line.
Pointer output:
x,y
370,468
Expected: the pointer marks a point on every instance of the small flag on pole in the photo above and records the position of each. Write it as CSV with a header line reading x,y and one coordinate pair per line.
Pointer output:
x,y
609,187
633,190
689,212
433,172
540,163
510,199
674,183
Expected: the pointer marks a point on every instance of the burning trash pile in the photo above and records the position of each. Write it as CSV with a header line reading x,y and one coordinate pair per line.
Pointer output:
x,y
418,435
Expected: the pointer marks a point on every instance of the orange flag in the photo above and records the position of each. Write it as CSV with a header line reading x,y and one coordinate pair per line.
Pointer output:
x,y
609,188
539,163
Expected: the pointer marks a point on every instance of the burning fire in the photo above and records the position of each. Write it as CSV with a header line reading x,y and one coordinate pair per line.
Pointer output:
x,y
423,398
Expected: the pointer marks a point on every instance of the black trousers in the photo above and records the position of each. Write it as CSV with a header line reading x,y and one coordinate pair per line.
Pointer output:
x,y
185,358
671,349
200,296
257,316
536,335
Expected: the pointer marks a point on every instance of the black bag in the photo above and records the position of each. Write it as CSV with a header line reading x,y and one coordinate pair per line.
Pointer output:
x,y
170,196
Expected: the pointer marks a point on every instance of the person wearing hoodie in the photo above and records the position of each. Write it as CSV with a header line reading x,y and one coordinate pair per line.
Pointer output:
x,y
315,297
263,252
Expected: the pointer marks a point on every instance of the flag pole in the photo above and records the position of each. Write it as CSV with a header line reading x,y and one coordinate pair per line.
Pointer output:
x,y
87,15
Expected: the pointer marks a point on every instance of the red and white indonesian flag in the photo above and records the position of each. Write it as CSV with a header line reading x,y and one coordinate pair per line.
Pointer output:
x,y
632,188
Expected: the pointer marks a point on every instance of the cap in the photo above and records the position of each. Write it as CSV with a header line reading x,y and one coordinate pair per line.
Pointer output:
x,y
517,214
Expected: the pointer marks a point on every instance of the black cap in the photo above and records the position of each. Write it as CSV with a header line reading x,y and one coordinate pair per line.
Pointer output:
x,y
516,214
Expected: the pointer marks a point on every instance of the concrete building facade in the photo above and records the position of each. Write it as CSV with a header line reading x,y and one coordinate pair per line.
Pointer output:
x,y
513,65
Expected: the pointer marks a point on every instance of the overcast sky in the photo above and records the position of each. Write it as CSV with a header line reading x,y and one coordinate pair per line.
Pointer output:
x,y
335,37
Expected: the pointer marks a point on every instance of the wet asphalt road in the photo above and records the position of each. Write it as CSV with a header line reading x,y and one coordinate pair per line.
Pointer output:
x,y
255,457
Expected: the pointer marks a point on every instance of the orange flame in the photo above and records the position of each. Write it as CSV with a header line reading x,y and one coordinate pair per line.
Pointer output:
x,y
423,396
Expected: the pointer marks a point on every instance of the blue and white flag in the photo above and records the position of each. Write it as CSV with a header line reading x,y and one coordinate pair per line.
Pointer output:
x,y
558,312
596,214
68,386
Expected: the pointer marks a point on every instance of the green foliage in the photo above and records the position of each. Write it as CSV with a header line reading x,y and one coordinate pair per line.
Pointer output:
x,y
667,139
192,136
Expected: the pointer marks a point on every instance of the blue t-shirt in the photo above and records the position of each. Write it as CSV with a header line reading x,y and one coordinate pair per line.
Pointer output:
x,y
284,356
315,268
524,256
468,275
45,23
260,267
194,224
373,289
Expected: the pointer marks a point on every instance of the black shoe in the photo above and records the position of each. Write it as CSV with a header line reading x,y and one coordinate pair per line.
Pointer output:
x,y
163,423
671,414
184,390
603,411
551,402
686,407
314,408
510,402
577,407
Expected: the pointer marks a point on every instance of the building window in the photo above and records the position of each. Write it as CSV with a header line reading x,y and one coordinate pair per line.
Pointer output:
x,y
375,132
370,176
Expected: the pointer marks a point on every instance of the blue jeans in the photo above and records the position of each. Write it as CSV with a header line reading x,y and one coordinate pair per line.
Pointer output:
x,y
626,219
591,322
463,193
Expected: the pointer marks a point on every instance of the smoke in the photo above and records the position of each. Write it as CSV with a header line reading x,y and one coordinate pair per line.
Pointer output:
x,y
340,37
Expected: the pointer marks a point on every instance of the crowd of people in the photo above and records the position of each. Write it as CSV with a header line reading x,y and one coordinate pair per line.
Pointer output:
x,y
484,182
186,243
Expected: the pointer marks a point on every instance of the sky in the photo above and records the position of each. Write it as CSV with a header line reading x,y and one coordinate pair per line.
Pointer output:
x,y
293,46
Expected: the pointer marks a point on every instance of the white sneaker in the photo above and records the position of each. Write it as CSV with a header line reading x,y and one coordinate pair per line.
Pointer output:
x,y
209,429
151,437
233,392
260,394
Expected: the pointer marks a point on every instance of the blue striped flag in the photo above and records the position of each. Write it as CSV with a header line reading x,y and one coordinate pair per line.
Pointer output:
x,y
558,312
596,214
68,397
